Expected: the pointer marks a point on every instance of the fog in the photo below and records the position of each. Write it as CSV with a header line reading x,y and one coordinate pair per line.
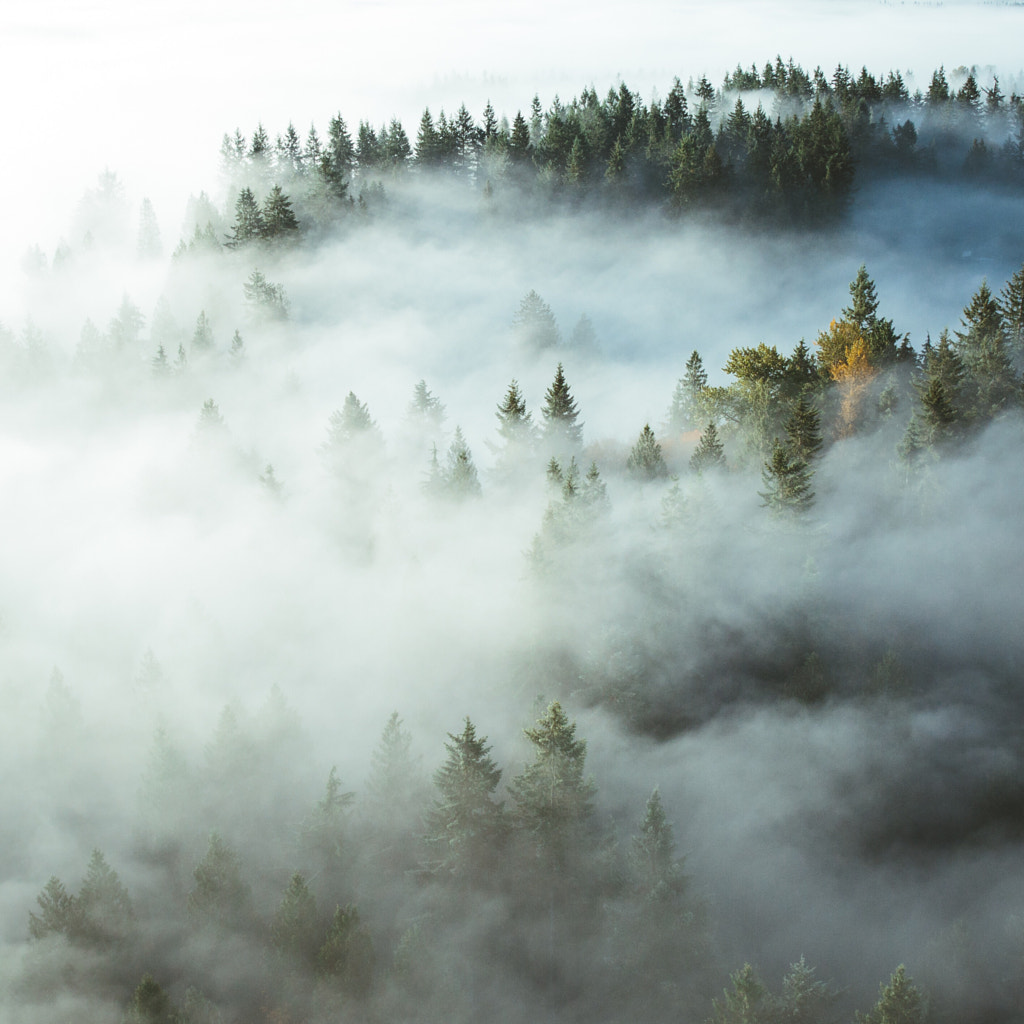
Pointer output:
x,y
189,643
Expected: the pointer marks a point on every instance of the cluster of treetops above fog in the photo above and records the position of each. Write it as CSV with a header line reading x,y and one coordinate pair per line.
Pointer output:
x,y
587,925
699,148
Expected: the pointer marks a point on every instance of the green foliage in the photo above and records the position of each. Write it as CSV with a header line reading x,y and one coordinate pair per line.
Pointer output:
x,y
787,482
535,324
425,408
659,873
560,413
803,431
464,821
515,424
552,798
150,1005
297,930
899,1002
265,300
58,912
347,955
220,895
459,476
103,910
645,460
746,1001
709,455
687,399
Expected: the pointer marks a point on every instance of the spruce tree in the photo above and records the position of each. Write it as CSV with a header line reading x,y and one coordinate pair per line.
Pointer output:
x,y
249,225
553,800
983,349
560,414
279,221
803,431
688,396
425,408
347,956
297,930
899,1002
709,453
1011,306
534,322
460,475
658,871
645,461
787,482
220,895
464,821
202,336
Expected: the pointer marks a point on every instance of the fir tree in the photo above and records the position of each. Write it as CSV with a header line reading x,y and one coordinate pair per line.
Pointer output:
x,y
982,347
1011,307
103,908
899,1002
249,225
553,799
746,1001
460,475
787,482
803,431
426,409
347,956
560,414
465,821
654,854
687,399
58,911
220,895
534,322
645,461
709,453
297,930
202,336
279,221
150,1005
515,424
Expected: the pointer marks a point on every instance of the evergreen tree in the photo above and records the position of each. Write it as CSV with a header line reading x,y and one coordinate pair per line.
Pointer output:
x,y
515,424
297,930
148,245
340,153
805,1000
103,909
654,854
803,431
1011,307
392,768
899,1002
349,425
645,460
279,221
150,1005
426,409
687,399
266,301
428,145
534,323
553,799
560,415
863,308
460,475
982,347
787,482
202,336
464,822
220,895
58,912
519,144
249,225
709,453
746,1001
347,955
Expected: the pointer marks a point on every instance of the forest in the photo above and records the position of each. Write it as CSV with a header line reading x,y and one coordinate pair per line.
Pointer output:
x,y
374,648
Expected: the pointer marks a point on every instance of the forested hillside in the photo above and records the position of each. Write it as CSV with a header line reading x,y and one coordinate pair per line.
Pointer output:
x,y
374,647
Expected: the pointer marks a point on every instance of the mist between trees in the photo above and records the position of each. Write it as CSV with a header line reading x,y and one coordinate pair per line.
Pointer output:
x,y
705,657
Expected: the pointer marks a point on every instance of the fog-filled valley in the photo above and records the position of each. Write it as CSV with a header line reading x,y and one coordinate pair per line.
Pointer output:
x,y
554,568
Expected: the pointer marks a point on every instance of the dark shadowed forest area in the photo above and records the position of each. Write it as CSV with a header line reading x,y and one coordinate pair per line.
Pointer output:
x,y
560,564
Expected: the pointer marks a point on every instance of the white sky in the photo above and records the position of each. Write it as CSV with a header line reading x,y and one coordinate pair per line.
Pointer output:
x,y
148,89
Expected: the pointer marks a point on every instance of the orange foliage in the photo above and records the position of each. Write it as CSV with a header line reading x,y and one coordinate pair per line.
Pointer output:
x,y
853,376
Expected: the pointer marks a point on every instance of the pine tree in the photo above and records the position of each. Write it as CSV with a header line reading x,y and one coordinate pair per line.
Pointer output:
x,y
347,955
279,221
658,870
202,336
1011,306
150,1004
899,1002
220,895
805,1000
803,431
746,1001
460,475
709,454
982,347
426,409
553,799
645,461
560,414
464,822
515,424
249,226
687,399
297,930
787,483
534,322
103,908
58,911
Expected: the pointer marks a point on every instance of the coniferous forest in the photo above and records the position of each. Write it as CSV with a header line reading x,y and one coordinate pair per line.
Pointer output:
x,y
412,645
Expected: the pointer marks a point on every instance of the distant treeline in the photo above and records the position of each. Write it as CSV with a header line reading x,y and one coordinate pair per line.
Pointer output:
x,y
773,145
